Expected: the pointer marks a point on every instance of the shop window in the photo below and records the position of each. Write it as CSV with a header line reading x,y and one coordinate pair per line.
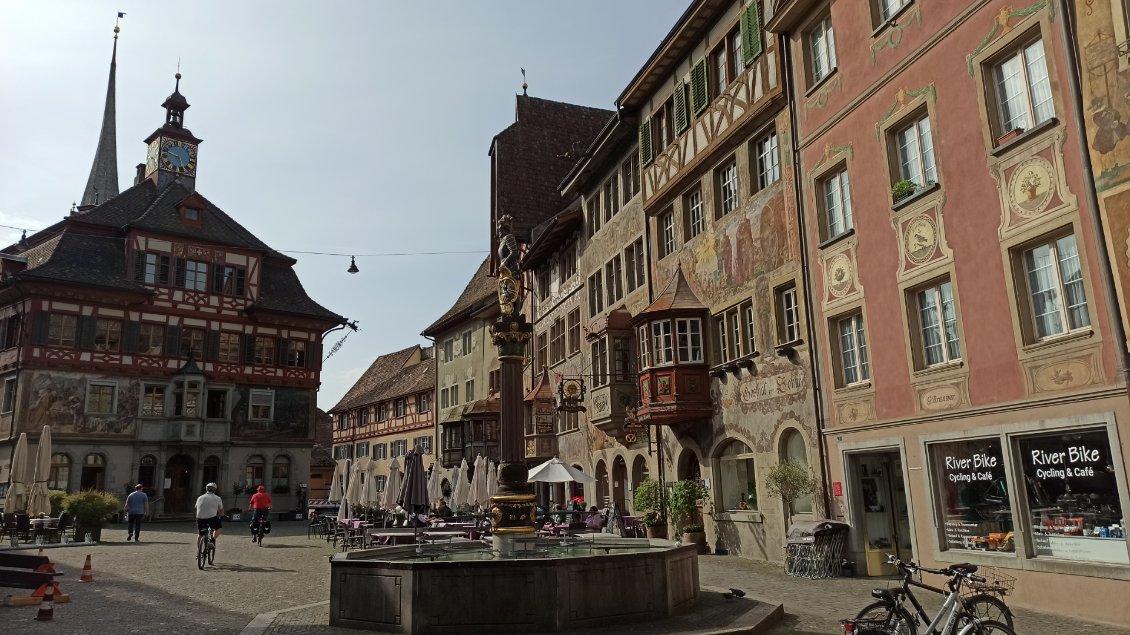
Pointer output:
x,y
737,477
972,487
255,471
1073,497
60,475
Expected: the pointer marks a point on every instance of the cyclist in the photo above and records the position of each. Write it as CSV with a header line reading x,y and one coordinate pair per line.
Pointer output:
x,y
209,509
260,508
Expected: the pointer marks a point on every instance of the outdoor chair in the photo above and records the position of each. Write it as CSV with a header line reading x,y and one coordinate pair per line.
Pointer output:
x,y
56,528
316,527
23,527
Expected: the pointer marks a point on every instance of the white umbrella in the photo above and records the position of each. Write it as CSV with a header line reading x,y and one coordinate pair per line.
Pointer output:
x,y
435,484
462,493
336,489
392,486
554,471
16,498
355,491
479,485
456,477
492,480
372,495
39,501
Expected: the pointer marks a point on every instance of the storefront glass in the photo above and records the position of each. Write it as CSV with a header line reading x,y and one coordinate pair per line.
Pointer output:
x,y
1073,498
737,477
972,486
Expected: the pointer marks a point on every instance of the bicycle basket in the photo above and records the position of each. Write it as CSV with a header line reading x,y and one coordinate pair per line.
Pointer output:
x,y
863,627
996,583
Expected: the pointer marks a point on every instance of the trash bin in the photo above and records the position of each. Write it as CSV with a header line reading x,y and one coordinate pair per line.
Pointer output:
x,y
814,549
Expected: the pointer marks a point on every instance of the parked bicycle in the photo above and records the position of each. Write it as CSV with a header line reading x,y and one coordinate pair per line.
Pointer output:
x,y
206,548
260,528
970,600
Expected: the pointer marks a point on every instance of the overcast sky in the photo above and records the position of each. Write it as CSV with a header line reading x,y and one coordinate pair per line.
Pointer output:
x,y
342,127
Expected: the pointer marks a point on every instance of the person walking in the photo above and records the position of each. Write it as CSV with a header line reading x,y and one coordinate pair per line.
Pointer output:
x,y
136,508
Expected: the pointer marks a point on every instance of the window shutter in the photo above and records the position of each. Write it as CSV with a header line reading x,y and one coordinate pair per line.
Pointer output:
x,y
240,281
131,337
87,325
699,96
139,266
211,344
751,32
248,348
172,341
180,272
163,270
680,101
41,326
217,279
645,142
314,355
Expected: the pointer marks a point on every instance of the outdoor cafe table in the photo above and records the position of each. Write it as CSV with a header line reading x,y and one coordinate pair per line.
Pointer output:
x,y
392,536
443,534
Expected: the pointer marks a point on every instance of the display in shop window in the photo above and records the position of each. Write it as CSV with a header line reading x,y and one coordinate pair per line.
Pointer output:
x,y
973,494
1073,498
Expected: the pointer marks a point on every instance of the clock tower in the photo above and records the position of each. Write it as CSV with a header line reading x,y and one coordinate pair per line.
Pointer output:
x,y
172,148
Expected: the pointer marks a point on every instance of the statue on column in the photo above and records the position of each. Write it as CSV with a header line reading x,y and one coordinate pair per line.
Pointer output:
x,y
509,268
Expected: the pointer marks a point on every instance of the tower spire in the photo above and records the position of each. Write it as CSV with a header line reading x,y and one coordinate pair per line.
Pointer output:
x,y
102,184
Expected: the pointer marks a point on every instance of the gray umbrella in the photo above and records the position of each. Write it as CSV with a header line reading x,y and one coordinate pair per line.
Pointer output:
x,y
414,488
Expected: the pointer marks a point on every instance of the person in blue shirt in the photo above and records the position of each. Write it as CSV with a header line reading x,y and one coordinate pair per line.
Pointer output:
x,y
136,508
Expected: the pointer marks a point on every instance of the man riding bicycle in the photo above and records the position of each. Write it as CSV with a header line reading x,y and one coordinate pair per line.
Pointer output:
x,y
260,508
209,509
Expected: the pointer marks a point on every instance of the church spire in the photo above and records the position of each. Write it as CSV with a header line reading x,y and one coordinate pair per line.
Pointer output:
x,y
103,182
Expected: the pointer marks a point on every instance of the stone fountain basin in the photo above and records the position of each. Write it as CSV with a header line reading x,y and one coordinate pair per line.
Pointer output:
x,y
465,587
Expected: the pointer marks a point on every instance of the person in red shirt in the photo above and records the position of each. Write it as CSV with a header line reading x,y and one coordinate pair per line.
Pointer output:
x,y
260,506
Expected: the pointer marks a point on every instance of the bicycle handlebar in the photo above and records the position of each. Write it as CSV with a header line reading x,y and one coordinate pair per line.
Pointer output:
x,y
908,568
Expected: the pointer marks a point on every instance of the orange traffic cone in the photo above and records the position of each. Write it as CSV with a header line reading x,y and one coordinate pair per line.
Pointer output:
x,y
87,572
47,607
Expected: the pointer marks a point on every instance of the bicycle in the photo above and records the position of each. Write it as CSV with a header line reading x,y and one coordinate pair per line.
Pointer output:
x,y
205,548
258,530
980,605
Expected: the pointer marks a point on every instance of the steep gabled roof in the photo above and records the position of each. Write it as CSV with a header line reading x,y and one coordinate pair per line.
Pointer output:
x,y
76,258
677,297
533,155
390,376
282,292
479,291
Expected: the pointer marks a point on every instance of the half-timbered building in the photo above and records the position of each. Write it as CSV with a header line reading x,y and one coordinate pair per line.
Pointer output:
x,y
160,339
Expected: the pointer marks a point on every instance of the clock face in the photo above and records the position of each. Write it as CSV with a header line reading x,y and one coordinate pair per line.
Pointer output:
x,y
178,157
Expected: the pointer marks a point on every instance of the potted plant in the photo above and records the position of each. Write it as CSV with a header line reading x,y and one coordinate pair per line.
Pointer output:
x,y
57,497
790,480
648,500
903,189
683,505
92,510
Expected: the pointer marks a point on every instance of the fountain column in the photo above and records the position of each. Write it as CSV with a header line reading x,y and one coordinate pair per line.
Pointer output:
x,y
512,508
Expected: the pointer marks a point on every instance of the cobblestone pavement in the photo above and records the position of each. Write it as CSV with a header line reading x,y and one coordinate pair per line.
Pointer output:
x,y
155,587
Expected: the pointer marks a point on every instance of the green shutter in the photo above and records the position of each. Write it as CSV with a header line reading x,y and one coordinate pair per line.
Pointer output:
x,y
680,101
645,142
700,98
751,32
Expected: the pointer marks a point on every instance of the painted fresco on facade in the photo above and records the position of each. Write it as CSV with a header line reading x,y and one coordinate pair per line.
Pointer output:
x,y
291,415
1106,82
59,400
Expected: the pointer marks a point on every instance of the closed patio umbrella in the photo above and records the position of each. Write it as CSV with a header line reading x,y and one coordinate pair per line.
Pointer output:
x,y
414,490
435,483
392,487
16,497
355,491
38,500
456,477
479,485
492,480
461,495
555,471
372,494
336,488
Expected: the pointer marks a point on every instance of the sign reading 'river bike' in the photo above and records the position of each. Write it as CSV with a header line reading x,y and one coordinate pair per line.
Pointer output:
x,y
783,385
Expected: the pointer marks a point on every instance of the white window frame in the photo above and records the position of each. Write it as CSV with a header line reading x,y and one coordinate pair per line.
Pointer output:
x,y
696,213
688,340
1031,93
8,402
789,313
727,188
1058,290
936,312
768,160
261,393
113,398
666,233
821,49
835,193
914,148
855,367
889,8
662,343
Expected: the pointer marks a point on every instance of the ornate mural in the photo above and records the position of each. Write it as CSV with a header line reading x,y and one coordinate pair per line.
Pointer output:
x,y
1032,182
59,400
292,415
892,36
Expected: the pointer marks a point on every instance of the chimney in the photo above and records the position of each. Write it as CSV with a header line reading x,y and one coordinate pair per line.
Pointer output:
x,y
140,176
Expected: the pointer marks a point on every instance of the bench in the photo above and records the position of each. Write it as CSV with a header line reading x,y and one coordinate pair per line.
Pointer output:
x,y
24,571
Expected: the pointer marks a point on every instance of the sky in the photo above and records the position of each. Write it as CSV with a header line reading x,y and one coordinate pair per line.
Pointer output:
x,y
335,127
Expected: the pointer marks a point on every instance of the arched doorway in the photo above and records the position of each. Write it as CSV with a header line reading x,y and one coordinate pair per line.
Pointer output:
x,y
689,467
639,473
792,449
93,474
178,484
601,484
619,482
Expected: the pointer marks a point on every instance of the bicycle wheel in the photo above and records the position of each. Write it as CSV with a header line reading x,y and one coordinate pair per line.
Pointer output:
x,y
201,552
896,619
259,535
990,607
212,551
989,627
